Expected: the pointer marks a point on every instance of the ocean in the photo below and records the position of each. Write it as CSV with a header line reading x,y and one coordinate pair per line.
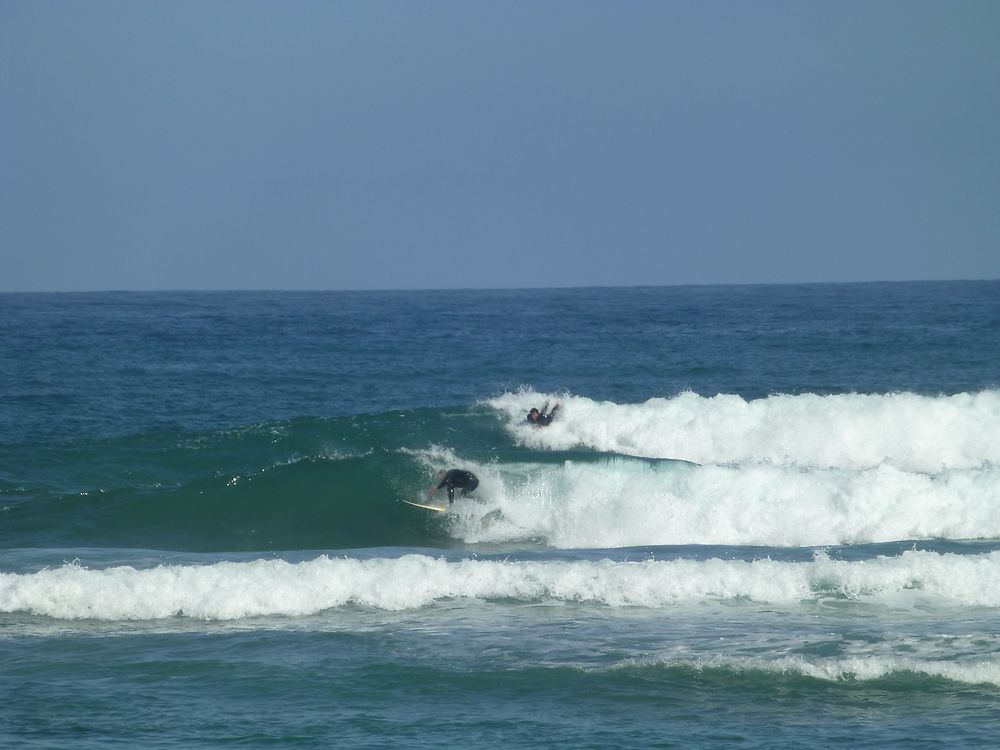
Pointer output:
x,y
763,517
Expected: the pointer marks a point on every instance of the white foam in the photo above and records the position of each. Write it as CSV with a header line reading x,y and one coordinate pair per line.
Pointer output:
x,y
235,590
856,431
631,503
864,668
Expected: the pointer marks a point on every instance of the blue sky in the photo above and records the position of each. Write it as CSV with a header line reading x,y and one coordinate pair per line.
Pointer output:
x,y
382,145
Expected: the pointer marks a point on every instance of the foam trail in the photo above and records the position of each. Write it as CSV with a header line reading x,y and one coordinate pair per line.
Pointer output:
x,y
912,432
235,590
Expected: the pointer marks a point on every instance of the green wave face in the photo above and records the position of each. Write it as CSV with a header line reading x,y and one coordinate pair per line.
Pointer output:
x,y
303,484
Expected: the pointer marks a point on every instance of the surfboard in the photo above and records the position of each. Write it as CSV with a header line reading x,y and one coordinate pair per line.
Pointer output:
x,y
438,508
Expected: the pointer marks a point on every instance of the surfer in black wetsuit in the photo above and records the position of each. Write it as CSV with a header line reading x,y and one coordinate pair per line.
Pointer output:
x,y
460,478
544,417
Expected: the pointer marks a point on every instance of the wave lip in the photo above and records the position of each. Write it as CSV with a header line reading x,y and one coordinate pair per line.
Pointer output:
x,y
912,432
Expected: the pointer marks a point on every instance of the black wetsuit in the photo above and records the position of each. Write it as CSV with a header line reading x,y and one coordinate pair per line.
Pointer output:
x,y
464,480
543,419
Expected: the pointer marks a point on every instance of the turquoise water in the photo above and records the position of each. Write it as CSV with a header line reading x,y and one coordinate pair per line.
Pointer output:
x,y
765,516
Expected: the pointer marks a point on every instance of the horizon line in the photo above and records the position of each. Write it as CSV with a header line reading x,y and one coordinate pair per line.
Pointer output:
x,y
568,287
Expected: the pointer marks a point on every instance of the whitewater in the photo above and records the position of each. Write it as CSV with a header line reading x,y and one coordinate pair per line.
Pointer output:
x,y
235,590
911,432
785,470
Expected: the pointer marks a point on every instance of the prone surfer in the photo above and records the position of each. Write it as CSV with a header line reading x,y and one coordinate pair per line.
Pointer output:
x,y
457,478
544,417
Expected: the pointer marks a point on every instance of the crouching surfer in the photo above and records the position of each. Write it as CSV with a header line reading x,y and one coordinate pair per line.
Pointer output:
x,y
454,479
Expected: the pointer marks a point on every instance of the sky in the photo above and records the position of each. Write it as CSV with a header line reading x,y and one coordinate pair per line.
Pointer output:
x,y
433,144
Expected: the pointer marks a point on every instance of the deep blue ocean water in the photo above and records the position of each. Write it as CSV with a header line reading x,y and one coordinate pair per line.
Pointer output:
x,y
764,516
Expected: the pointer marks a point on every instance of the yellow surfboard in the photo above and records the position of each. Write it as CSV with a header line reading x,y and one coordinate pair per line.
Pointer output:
x,y
438,508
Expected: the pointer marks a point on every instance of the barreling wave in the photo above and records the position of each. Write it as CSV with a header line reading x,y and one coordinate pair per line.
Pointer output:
x,y
783,471
301,484
274,587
